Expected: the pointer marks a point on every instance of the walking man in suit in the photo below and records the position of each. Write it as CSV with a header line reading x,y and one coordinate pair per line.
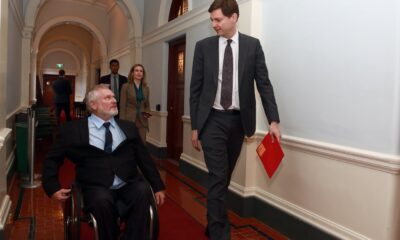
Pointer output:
x,y
223,106
107,153
62,90
114,79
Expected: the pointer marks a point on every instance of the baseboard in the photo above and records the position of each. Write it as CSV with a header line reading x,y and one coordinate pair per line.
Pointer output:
x,y
253,207
157,152
4,213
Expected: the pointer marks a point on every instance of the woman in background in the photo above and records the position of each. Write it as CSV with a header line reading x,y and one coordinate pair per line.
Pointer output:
x,y
134,102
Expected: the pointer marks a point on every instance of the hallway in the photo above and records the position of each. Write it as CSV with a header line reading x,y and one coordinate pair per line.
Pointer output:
x,y
35,216
334,67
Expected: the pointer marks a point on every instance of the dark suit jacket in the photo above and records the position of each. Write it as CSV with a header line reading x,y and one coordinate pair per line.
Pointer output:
x,y
204,82
107,80
95,167
62,90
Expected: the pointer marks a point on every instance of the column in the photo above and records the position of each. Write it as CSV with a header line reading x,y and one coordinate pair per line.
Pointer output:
x,y
135,49
5,133
25,65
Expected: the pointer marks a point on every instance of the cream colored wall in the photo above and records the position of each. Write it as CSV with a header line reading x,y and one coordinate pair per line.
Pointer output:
x,y
350,193
5,133
157,134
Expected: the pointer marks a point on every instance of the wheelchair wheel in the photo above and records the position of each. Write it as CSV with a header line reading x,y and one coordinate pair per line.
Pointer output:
x,y
72,216
154,225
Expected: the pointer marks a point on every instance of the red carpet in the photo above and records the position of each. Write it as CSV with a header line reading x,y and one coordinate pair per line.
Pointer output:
x,y
175,223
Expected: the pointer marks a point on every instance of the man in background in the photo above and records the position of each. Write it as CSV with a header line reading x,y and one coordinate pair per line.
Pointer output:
x,y
62,91
115,80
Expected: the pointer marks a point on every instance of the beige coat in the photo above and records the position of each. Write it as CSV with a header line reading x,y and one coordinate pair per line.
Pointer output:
x,y
128,105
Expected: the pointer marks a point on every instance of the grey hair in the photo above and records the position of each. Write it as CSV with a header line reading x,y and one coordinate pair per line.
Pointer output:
x,y
93,95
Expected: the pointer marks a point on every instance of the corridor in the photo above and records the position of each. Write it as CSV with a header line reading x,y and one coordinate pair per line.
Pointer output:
x,y
329,68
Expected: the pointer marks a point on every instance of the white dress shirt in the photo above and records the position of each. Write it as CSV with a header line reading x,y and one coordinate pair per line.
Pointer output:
x,y
97,139
235,52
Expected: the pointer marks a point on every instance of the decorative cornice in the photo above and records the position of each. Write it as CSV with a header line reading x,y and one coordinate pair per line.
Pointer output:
x,y
177,25
369,159
27,32
180,24
136,42
120,52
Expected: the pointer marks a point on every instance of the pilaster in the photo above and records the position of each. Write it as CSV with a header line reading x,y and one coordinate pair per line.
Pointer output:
x,y
25,65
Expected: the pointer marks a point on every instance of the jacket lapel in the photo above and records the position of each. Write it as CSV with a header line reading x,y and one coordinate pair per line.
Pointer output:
x,y
84,131
214,60
124,128
242,57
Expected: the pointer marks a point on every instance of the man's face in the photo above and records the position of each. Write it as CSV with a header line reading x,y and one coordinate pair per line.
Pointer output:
x,y
105,106
223,25
114,67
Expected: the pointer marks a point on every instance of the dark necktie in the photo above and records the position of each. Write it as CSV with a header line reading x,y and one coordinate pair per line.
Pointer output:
x,y
116,92
227,77
108,138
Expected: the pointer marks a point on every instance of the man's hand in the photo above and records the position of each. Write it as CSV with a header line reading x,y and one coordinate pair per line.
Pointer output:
x,y
160,197
195,140
274,132
62,194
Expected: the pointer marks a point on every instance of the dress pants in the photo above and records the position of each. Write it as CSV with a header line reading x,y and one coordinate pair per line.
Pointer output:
x,y
221,140
131,203
66,108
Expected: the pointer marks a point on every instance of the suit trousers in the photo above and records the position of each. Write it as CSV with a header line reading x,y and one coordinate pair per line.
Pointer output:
x,y
221,140
60,107
130,203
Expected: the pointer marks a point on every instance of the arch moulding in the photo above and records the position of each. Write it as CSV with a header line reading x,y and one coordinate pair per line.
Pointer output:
x,y
80,21
76,60
34,5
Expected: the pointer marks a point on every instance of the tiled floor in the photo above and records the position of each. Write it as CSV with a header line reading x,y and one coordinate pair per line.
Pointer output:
x,y
41,218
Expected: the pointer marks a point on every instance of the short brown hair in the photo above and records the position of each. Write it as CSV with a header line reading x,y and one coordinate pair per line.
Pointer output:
x,y
228,7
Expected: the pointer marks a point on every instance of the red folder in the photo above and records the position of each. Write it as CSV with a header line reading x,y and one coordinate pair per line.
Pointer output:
x,y
271,154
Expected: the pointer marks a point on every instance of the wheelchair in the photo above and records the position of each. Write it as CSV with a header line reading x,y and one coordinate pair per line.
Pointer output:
x,y
74,216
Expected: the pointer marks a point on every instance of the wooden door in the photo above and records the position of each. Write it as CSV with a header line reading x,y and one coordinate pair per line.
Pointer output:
x,y
176,91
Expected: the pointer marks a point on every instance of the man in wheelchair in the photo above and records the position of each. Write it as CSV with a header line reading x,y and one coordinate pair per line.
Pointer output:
x,y
107,154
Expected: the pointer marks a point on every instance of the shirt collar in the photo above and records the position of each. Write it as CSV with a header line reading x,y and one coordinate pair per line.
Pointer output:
x,y
234,38
98,122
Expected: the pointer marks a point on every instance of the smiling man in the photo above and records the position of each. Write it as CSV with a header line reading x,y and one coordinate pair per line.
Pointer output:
x,y
107,154
223,105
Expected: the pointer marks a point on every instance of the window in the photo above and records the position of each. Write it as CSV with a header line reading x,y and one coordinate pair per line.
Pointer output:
x,y
178,8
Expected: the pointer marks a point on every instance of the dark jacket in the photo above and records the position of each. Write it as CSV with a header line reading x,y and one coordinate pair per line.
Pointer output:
x,y
107,80
95,167
204,82
62,90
